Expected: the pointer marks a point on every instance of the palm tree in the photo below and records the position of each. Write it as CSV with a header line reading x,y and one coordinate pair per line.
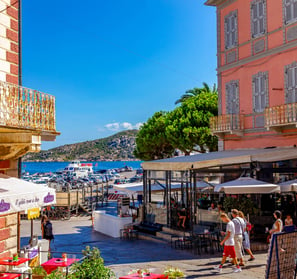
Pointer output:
x,y
196,91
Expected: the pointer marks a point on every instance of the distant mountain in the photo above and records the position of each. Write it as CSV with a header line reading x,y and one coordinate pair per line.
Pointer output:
x,y
116,147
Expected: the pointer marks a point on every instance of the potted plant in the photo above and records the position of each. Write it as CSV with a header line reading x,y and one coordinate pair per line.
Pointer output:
x,y
38,272
173,273
92,266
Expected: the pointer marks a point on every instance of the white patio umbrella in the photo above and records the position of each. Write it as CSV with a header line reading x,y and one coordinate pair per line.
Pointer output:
x,y
288,186
247,185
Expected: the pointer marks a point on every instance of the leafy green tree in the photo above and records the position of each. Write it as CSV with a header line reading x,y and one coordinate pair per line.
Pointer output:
x,y
188,125
196,91
151,141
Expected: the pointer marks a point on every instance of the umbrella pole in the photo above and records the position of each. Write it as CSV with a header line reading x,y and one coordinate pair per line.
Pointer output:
x,y
31,229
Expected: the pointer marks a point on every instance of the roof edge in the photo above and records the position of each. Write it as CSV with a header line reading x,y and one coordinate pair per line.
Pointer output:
x,y
213,2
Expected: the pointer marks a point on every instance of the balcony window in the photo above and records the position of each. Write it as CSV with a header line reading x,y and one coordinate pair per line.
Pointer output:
x,y
232,97
231,30
258,18
290,11
260,92
291,83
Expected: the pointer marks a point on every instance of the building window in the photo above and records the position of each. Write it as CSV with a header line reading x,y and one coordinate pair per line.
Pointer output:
x,y
232,97
291,83
290,9
258,17
231,30
260,91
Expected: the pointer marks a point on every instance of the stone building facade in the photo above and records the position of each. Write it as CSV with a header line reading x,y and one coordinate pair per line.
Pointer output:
x,y
26,116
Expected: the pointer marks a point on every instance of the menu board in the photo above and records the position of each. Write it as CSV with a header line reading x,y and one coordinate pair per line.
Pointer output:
x,y
282,256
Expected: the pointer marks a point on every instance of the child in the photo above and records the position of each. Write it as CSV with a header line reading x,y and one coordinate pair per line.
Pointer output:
x,y
288,220
229,250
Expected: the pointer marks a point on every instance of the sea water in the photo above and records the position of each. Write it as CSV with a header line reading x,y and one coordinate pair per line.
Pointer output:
x,y
45,167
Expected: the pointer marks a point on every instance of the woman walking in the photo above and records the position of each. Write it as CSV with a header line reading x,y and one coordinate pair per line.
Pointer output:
x,y
246,242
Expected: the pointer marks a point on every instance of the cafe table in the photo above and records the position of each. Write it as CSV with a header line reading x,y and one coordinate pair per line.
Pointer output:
x,y
10,263
9,275
146,276
54,263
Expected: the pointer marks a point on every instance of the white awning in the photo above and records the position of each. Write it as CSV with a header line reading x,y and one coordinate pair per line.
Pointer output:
x,y
288,186
247,185
221,158
18,195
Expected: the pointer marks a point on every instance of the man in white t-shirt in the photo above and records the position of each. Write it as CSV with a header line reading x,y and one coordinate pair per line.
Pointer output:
x,y
240,227
228,243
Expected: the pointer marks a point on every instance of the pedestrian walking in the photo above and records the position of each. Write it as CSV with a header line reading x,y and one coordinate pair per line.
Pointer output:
x,y
47,229
228,243
246,241
240,227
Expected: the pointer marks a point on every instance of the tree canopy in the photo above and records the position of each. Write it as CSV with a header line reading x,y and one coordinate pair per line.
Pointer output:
x,y
196,91
185,128
188,125
151,141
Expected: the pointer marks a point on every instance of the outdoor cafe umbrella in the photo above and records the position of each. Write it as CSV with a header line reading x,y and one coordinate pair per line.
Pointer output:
x,y
247,185
288,186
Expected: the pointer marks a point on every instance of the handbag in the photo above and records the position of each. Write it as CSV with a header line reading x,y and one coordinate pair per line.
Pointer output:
x,y
245,240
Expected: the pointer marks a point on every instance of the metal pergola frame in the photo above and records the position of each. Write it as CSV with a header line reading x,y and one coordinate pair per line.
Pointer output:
x,y
189,179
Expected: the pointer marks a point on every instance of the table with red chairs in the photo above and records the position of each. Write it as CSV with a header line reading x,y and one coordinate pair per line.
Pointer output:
x,y
54,263
146,276
9,275
9,262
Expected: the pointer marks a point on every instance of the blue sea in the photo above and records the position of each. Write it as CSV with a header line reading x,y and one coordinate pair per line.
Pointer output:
x,y
34,167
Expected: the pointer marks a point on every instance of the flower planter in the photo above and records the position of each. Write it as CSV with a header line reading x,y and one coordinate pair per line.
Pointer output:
x,y
34,276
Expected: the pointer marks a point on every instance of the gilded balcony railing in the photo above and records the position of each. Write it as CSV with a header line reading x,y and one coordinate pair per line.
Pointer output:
x,y
281,115
22,107
226,123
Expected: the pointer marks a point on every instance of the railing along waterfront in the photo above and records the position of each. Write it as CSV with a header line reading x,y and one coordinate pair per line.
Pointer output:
x,y
281,115
226,123
22,107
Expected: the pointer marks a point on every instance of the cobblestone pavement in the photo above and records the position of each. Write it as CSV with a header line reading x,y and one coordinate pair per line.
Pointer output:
x,y
122,255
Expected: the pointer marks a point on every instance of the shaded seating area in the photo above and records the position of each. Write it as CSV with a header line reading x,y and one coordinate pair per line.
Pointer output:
x,y
199,243
148,227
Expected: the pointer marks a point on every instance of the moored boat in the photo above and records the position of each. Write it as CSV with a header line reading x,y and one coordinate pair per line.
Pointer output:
x,y
78,169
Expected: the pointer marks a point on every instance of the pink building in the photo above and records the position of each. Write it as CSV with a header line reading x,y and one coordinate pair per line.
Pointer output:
x,y
257,73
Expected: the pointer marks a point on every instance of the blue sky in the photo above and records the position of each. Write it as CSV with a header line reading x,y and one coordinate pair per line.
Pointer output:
x,y
112,64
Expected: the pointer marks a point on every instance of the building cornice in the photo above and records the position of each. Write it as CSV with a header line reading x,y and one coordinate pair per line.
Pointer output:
x,y
213,2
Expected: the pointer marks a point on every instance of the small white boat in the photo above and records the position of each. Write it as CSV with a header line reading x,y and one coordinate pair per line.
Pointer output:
x,y
78,169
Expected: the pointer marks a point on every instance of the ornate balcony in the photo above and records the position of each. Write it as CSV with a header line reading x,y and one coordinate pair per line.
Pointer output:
x,y
227,124
27,116
281,117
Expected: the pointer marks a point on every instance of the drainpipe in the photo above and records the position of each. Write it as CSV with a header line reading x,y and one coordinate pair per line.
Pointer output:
x,y
20,67
20,84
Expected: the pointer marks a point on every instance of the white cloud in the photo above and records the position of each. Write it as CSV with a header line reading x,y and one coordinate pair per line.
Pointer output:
x,y
138,125
116,126
113,126
127,125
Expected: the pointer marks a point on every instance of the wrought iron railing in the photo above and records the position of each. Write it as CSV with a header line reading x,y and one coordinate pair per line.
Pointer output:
x,y
22,107
281,115
226,123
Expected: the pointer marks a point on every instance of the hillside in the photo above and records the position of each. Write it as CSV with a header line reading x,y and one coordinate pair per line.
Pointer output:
x,y
116,147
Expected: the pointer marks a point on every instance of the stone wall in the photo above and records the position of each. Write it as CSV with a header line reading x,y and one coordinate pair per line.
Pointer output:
x,y
8,234
9,41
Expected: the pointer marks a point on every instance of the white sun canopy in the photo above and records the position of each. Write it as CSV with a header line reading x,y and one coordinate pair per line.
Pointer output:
x,y
18,195
288,186
247,185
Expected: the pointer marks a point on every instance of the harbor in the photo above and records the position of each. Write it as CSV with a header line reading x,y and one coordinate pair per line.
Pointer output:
x,y
80,189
